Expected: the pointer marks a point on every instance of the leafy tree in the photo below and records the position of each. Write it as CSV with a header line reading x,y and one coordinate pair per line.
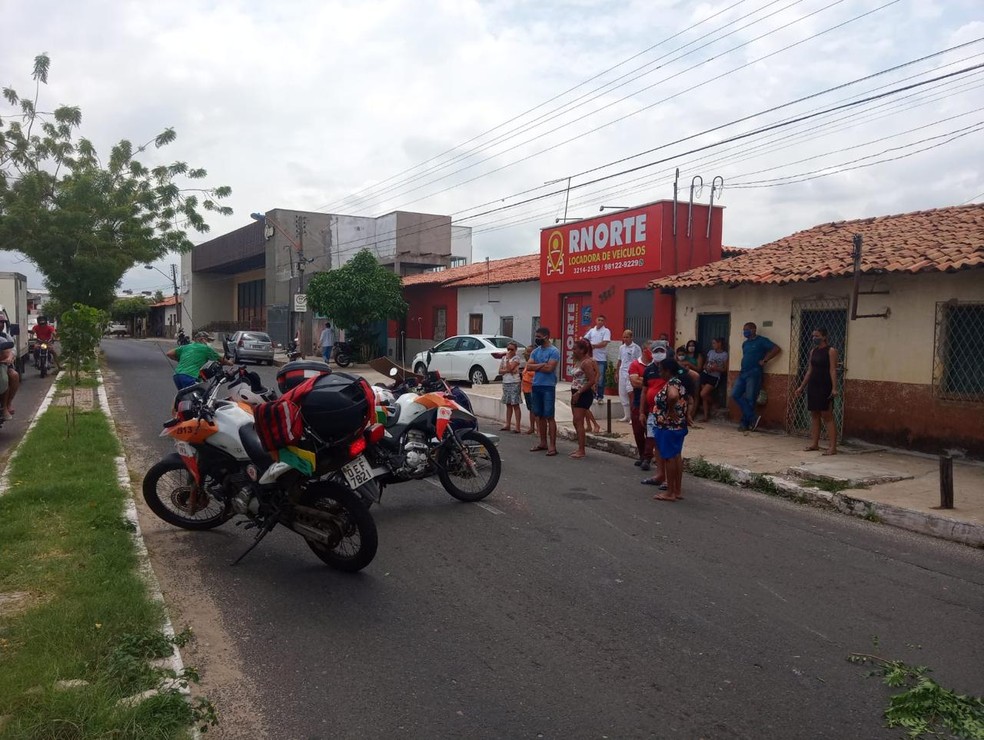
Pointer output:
x,y
158,296
84,221
358,294
79,331
127,309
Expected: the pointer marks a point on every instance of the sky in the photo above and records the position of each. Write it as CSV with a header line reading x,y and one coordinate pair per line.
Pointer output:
x,y
456,107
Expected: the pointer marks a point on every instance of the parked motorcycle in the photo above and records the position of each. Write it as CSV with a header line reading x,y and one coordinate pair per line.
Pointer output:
x,y
221,467
428,432
293,352
182,337
343,353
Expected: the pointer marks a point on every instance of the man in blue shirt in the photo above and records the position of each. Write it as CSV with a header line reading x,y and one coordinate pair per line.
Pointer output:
x,y
756,352
543,362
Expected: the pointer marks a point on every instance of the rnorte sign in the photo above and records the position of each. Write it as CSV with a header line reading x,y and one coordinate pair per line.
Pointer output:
x,y
617,244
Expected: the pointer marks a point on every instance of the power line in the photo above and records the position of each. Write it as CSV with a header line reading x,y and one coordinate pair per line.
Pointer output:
x,y
646,107
601,90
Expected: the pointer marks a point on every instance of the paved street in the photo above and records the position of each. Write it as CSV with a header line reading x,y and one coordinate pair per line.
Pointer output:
x,y
570,605
29,396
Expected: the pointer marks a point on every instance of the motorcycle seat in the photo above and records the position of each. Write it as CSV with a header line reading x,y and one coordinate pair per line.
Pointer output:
x,y
253,447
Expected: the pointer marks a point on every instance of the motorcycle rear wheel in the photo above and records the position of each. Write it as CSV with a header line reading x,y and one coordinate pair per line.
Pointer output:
x,y
166,489
343,360
452,468
354,525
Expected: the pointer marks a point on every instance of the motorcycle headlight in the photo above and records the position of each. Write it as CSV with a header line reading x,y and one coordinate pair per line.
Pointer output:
x,y
44,346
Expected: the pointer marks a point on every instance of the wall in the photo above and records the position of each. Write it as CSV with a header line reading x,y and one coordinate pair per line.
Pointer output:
x,y
461,243
888,394
519,300
422,300
209,299
606,295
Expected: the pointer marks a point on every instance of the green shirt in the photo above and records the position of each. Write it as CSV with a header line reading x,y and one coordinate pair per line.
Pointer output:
x,y
191,358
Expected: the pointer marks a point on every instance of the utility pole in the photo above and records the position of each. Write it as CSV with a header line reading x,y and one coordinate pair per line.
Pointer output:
x,y
177,303
300,224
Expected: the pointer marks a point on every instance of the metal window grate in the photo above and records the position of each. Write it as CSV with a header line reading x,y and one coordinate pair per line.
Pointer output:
x,y
958,372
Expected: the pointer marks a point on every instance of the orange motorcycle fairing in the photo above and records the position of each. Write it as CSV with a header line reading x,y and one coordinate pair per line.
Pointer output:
x,y
193,432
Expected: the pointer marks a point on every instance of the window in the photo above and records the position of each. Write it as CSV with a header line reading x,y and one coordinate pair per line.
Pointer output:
x,y
500,342
958,373
475,323
440,323
252,303
536,325
506,325
448,346
469,344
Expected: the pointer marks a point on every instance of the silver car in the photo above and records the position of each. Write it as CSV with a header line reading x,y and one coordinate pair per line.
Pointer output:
x,y
249,346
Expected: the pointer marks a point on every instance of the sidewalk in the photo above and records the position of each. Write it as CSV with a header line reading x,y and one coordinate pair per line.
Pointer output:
x,y
892,486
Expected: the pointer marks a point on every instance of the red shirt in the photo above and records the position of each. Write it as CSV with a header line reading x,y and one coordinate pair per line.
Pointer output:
x,y
44,332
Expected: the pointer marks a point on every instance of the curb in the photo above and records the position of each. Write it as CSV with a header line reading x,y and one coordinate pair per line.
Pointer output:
x,y
934,525
173,662
45,403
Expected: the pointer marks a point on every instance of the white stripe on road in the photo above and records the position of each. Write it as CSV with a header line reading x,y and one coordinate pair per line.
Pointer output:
x,y
489,508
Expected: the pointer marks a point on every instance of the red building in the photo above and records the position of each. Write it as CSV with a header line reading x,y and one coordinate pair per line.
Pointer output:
x,y
603,266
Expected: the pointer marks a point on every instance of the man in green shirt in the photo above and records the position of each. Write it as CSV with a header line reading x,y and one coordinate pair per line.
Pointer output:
x,y
191,358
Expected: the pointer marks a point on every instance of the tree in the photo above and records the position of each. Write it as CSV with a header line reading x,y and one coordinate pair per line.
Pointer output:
x,y
158,296
126,310
358,294
84,222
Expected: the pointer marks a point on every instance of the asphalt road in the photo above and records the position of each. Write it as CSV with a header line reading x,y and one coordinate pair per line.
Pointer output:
x,y
32,390
574,606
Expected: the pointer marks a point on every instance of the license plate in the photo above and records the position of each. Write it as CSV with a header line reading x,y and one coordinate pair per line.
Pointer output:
x,y
357,472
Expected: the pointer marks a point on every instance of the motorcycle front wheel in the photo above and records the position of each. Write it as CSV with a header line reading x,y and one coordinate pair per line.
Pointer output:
x,y
343,360
167,489
351,527
474,481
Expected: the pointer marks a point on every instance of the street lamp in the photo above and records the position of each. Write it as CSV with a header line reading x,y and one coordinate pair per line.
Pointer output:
x,y
613,208
174,283
565,220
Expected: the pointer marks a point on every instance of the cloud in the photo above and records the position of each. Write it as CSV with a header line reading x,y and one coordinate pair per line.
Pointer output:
x,y
301,104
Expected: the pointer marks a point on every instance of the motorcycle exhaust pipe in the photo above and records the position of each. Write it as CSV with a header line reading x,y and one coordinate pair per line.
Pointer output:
x,y
311,533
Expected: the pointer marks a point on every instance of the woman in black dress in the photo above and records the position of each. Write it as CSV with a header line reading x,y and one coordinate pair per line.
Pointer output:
x,y
820,382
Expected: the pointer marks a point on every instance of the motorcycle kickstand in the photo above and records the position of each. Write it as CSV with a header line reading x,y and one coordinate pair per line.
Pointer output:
x,y
267,528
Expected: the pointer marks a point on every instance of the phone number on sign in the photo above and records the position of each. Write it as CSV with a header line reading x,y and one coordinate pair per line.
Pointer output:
x,y
607,266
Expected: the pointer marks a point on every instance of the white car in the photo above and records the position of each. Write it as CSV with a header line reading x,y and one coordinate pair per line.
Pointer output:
x,y
471,357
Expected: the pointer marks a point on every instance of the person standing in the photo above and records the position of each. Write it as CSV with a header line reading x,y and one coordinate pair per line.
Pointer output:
x,y
599,337
671,426
509,370
715,368
820,382
582,392
636,370
652,384
191,358
756,352
544,362
327,341
527,388
628,352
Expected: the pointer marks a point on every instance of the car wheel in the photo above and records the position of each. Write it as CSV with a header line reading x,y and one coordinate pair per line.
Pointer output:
x,y
477,376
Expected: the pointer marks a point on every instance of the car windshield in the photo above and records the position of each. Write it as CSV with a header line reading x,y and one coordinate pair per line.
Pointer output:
x,y
256,337
501,342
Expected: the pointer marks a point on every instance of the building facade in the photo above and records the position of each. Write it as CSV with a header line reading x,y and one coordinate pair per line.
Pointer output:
x,y
911,373
249,277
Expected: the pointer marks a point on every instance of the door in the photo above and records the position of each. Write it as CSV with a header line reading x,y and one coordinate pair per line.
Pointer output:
x,y
442,356
639,314
808,315
506,326
716,326
440,323
475,321
466,356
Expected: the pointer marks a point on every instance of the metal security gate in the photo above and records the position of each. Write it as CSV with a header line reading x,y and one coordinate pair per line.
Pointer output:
x,y
808,315
639,314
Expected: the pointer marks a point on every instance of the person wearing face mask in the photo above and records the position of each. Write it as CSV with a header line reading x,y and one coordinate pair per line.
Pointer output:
x,y
652,383
820,383
636,369
543,362
756,352
628,352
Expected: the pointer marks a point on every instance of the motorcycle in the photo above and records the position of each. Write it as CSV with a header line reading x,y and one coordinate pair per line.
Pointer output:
x,y
428,432
293,352
221,469
343,353
5,346
42,358
182,337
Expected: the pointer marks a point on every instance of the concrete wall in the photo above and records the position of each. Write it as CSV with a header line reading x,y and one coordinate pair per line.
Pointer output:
x,y
461,243
888,391
210,298
519,300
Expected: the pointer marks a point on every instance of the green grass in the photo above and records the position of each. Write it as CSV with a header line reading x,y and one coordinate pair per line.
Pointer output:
x,y
700,468
85,381
63,540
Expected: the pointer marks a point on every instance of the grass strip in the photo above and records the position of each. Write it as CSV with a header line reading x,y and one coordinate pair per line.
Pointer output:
x,y
72,605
